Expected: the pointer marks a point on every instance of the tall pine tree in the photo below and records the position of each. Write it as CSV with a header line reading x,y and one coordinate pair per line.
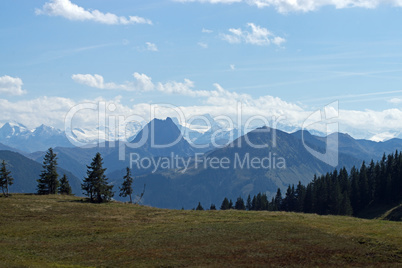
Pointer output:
x,y
127,189
64,187
5,178
96,184
225,204
239,205
48,182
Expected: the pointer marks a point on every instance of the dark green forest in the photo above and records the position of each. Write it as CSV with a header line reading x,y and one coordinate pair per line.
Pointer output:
x,y
336,193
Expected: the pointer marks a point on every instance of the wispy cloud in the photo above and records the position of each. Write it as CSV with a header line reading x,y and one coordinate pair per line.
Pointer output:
x,y
207,31
367,124
217,101
254,35
395,100
71,11
151,47
11,86
203,45
142,82
286,6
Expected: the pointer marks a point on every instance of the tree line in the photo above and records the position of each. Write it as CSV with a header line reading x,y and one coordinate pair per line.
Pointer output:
x,y
336,193
95,185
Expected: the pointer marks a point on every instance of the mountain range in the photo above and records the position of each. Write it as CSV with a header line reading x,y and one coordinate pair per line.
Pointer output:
x,y
287,160
26,171
17,136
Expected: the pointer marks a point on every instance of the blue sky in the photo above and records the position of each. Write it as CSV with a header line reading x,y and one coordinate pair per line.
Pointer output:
x,y
280,57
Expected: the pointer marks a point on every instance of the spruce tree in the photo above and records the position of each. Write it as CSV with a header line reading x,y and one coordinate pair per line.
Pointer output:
x,y
96,184
248,204
345,207
127,189
278,199
48,182
239,205
212,207
300,195
254,204
199,207
64,187
287,201
230,204
225,204
5,178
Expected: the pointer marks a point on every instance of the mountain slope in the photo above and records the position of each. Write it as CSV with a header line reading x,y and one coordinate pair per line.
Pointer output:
x,y
8,148
41,138
360,149
250,170
161,138
26,171
158,138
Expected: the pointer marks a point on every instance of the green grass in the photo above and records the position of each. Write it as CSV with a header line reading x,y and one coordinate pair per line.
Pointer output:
x,y
61,231
394,214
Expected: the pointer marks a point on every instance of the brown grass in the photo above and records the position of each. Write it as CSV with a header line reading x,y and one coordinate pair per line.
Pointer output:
x,y
62,231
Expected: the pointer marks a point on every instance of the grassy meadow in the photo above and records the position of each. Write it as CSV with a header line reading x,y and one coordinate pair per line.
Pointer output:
x,y
63,231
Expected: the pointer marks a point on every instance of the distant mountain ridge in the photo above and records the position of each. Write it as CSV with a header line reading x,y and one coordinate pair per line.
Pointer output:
x,y
26,171
358,148
260,161
20,137
172,188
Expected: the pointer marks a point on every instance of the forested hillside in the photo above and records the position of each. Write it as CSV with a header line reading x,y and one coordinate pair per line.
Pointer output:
x,y
339,192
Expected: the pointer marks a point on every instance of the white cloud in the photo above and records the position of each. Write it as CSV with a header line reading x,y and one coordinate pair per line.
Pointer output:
x,y
395,101
383,136
203,45
141,83
144,83
11,86
278,41
185,89
232,67
34,112
285,6
151,46
207,31
257,35
68,10
366,124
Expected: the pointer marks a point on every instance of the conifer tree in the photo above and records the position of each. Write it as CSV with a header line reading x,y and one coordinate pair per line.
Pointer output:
x,y
64,187
346,207
278,199
225,204
5,178
300,195
264,202
335,198
127,189
308,200
199,207
288,200
239,205
248,204
48,182
96,184
254,204
212,207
